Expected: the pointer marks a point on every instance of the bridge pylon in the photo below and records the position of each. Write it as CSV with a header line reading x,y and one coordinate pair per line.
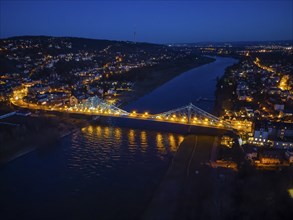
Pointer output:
x,y
192,115
189,114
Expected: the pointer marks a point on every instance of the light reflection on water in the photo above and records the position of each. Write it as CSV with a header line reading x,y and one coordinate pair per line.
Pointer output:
x,y
113,158
98,149
143,141
90,173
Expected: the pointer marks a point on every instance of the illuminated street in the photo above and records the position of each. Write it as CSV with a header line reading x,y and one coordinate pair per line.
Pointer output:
x,y
190,114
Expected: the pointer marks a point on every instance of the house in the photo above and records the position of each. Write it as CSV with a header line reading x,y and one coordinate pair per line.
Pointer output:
x,y
289,156
279,107
282,144
58,98
73,100
261,134
38,88
270,157
250,152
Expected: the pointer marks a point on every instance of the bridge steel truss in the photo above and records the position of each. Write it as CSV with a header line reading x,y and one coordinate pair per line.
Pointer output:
x,y
189,114
96,105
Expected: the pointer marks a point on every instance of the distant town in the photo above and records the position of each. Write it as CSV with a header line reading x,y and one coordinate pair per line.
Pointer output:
x,y
61,71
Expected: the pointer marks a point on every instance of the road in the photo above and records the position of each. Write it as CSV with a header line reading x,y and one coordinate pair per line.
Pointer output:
x,y
199,119
189,187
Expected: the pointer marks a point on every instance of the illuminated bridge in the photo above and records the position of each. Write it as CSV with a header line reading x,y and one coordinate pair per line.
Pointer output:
x,y
188,115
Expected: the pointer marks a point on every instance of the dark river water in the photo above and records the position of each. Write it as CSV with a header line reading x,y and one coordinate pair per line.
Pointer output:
x,y
104,171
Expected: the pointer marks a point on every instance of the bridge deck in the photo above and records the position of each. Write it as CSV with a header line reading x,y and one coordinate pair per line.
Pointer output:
x,y
94,106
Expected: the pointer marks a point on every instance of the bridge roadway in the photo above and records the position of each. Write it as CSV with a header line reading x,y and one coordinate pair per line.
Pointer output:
x,y
142,117
136,116
187,115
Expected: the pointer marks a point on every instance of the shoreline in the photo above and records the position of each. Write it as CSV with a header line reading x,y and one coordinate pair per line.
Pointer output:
x,y
143,88
69,128
17,155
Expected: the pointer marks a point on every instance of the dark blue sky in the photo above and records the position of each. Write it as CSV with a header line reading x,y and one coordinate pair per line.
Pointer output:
x,y
154,21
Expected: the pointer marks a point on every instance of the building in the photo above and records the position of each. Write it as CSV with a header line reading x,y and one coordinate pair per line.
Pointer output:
x,y
289,156
250,152
282,144
38,88
227,141
279,107
269,157
73,100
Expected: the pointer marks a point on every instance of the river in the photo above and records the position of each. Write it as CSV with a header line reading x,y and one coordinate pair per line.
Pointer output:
x,y
104,171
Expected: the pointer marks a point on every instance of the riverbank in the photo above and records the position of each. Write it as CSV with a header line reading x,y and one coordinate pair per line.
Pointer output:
x,y
191,186
225,95
153,77
33,132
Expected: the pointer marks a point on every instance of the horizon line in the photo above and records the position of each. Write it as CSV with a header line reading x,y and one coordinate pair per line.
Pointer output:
x,y
195,42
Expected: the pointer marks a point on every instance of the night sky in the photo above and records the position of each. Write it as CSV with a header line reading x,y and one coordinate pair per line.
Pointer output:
x,y
154,21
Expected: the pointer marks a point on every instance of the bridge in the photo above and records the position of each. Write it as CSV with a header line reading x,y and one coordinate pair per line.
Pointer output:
x,y
94,106
188,115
